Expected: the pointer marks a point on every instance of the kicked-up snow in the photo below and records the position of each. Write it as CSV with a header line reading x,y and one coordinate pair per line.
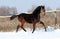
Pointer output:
x,y
38,34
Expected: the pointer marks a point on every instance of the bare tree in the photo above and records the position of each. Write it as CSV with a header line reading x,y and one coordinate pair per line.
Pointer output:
x,y
12,11
7,11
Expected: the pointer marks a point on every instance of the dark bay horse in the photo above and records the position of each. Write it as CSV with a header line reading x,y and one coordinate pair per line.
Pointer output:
x,y
30,18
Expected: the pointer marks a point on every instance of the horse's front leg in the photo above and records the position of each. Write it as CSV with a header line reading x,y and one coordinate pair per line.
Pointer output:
x,y
43,25
17,28
33,26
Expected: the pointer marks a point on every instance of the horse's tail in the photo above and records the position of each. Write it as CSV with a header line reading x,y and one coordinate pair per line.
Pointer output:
x,y
12,17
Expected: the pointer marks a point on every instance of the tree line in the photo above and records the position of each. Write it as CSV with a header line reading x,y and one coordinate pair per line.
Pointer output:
x,y
6,11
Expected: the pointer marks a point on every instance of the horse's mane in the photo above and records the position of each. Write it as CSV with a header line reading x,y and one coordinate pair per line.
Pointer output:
x,y
38,9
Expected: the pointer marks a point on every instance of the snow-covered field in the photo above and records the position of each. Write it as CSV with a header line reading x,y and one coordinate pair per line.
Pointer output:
x,y
38,34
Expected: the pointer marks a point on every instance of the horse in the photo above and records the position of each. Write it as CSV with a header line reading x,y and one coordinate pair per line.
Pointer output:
x,y
32,18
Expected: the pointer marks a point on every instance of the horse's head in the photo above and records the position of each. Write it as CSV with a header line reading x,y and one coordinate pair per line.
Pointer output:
x,y
42,10
39,9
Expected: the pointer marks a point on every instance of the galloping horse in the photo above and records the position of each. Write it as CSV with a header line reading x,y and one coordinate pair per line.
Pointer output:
x,y
30,18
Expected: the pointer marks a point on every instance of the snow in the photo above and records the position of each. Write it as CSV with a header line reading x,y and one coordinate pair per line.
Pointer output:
x,y
38,34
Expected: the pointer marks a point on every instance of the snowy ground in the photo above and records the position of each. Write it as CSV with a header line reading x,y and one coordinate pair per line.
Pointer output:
x,y
38,34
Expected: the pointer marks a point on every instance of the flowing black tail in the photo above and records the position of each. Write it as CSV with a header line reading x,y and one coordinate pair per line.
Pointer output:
x,y
12,17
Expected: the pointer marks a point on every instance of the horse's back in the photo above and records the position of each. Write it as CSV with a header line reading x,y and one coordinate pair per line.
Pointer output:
x,y
27,17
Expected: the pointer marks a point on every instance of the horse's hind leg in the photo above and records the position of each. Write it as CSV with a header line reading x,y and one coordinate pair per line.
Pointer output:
x,y
43,25
33,27
23,28
17,28
22,23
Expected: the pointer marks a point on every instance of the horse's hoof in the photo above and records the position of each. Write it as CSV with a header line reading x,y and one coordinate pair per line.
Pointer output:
x,y
16,31
32,32
45,30
24,30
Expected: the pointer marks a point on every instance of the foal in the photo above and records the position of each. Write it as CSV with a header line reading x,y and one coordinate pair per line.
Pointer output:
x,y
30,18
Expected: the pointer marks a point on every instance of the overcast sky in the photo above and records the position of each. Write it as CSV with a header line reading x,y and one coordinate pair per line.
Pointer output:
x,y
25,5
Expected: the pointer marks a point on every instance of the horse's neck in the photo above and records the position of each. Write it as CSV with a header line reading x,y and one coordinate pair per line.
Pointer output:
x,y
36,12
36,15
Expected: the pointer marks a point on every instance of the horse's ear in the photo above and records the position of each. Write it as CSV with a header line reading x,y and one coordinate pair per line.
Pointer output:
x,y
43,6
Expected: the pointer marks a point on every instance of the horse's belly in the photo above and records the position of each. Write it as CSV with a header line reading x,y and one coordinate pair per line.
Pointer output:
x,y
29,21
